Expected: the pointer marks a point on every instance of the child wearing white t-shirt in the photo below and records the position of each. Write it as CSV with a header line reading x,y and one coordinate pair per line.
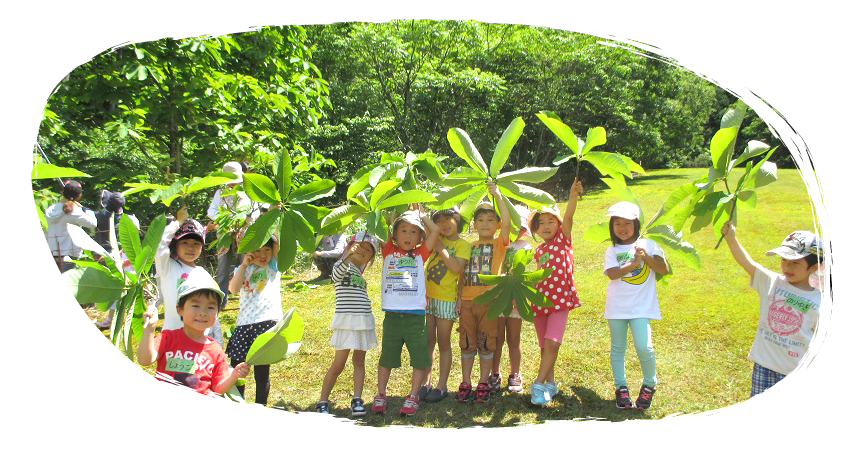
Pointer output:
x,y
631,300
788,305
258,283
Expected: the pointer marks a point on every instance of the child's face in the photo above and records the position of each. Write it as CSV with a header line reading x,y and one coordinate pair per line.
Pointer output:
x,y
199,311
447,226
548,226
262,256
363,253
486,225
188,250
624,229
408,236
796,271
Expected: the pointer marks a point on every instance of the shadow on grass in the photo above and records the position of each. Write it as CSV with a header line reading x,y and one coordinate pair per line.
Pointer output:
x,y
503,410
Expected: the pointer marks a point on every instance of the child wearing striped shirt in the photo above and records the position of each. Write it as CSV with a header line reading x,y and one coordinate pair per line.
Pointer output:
x,y
353,327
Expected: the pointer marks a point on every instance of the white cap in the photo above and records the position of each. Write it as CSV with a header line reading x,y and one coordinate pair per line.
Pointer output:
x,y
624,210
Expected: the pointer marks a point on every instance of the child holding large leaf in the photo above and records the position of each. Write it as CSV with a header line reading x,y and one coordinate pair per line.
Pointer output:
x,y
404,301
175,259
258,283
631,300
559,288
443,271
353,327
477,332
186,356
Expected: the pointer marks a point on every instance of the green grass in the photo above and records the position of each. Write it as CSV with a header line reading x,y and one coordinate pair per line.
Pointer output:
x,y
709,321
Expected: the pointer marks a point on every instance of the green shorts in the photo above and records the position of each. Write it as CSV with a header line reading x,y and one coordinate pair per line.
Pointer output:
x,y
404,328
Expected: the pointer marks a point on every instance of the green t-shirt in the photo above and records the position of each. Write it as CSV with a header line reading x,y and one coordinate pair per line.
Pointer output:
x,y
441,282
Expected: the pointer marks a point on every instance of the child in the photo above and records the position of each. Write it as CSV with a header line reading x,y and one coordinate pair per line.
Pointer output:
x,y
59,216
352,325
444,268
404,299
788,305
258,283
477,333
631,300
181,244
186,355
556,252
510,326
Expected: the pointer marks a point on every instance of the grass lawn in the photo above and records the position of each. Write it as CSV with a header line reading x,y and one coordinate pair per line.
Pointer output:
x,y
709,321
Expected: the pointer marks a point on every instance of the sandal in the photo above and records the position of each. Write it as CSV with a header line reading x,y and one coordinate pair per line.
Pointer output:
x,y
436,395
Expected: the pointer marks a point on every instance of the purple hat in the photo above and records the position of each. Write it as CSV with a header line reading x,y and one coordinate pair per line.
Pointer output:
x,y
191,227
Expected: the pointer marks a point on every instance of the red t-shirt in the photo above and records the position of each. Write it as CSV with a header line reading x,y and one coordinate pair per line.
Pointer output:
x,y
558,287
198,366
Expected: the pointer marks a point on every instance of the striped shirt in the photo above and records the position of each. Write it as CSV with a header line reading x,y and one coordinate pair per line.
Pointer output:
x,y
350,289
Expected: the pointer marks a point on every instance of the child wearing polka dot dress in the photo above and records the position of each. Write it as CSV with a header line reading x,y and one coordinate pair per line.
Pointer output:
x,y
258,283
556,252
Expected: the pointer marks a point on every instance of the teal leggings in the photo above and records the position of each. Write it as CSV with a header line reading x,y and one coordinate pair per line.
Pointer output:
x,y
641,330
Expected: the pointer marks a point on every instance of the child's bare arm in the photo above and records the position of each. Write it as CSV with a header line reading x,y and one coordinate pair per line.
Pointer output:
x,y
146,352
240,371
235,284
615,273
738,252
575,192
432,229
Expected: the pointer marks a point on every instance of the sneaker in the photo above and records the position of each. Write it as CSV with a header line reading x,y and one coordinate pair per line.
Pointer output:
x,y
379,404
410,406
539,395
646,394
482,394
357,407
436,395
464,392
423,391
515,383
495,382
551,388
322,407
622,398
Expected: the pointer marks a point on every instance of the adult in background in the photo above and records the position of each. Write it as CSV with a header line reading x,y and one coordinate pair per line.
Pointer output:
x,y
328,251
227,257
112,205
62,215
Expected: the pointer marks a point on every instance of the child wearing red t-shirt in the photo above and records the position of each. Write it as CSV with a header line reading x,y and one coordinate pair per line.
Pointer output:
x,y
187,356
559,288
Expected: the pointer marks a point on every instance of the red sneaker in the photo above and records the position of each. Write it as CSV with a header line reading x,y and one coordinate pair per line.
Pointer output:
x,y
464,392
379,404
410,406
482,394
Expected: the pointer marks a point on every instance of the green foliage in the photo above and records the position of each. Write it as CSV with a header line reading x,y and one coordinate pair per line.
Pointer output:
x,y
181,188
514,287
279,343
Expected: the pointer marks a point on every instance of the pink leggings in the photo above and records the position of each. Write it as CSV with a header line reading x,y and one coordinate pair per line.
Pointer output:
x,y
551,327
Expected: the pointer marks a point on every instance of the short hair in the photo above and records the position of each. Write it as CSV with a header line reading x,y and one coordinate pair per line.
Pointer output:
x,y
615,239
450,213
270,243
535,223
812,259
208,292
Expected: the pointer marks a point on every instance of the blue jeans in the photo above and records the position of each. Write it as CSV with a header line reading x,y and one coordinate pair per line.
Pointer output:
x,y
641,330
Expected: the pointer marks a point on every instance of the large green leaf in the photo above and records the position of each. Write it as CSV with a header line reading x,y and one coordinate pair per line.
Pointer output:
x,y
620,188
531,196
463,175
129,237
632,166
382,190
140,187
359,182
376,225
430,169
288,248
463,147
721,150
747,200
467,208
42,171
274,345
537,276
561,130
680,251
314,190
384,172
260,231
595,136
766,174
754,148
597,233
304,233
404,198
608,163
261,189
93,286
454,196
671,203
154,232
529,174
505,145
343,213
283,168
198,184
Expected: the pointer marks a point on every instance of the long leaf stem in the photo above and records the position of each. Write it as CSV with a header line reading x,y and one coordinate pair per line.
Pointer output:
x,y
731,214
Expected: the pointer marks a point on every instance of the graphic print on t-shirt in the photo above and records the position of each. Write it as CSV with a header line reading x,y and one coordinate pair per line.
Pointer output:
x,y
403,271
639,275
438,269
479,263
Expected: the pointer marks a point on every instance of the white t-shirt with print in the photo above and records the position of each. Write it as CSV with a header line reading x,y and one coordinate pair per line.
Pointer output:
x,y
787,320
633,296
260,294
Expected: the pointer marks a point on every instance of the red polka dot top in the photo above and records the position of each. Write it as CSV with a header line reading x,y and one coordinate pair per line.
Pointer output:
x,y
559,287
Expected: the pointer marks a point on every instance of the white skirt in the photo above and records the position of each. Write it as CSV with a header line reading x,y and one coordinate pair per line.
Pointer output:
x,y
353,332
